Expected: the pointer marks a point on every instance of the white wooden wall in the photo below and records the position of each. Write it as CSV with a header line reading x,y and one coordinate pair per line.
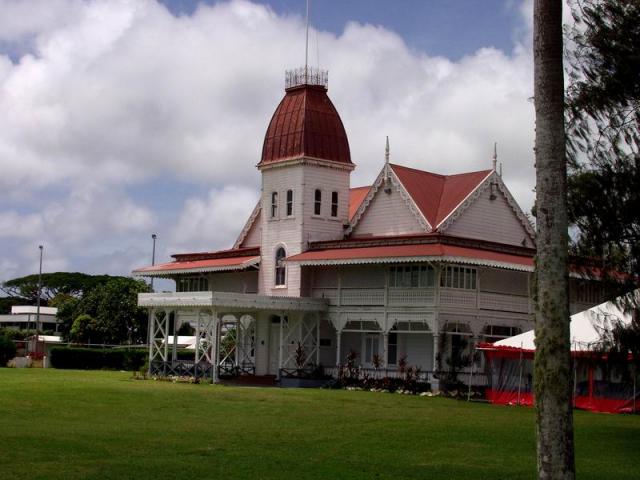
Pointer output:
x,y
253,238
387,214
303,226
491,220
239,282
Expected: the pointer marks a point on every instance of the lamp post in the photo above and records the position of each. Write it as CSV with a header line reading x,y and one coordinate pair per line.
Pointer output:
x,y
39,291
153,255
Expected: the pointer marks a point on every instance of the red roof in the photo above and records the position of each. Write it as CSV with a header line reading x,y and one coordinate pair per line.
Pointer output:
x,y
209,265
356,196
437,196
306,124
419,250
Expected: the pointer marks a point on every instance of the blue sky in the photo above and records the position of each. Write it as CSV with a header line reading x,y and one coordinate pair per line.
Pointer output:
x,y
122,119
452,28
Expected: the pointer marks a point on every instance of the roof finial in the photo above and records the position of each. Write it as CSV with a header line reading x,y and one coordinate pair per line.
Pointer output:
x,y
386,152
495,155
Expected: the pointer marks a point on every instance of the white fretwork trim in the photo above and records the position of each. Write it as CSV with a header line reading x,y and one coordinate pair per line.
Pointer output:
x,y
444,258
465,203
304,330
321,162
492,177
387,173
232,301
248,225
165,273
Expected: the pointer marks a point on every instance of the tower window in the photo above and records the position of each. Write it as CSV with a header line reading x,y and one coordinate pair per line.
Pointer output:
x,y
274,204
334,204
289,203
281,272
317,204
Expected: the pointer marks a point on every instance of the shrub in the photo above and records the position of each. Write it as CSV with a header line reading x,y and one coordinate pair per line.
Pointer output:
x,y
97,358
7,350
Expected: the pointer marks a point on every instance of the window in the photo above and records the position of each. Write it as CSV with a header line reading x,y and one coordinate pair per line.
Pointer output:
x,y
411,276
192,284
281,272
289,203
334,204
317,204
458,277
392,348
274,204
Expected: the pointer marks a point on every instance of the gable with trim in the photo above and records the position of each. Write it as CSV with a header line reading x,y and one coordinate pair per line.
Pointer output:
x,y
387,210
491,214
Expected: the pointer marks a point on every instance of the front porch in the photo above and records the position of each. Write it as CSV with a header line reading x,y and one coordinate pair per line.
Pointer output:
x,y
236,334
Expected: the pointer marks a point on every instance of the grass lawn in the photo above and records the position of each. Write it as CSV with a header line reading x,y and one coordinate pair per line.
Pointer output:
x,y
73,424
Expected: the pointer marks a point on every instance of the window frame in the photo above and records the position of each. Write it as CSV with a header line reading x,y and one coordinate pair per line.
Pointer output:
x,y
274,204
334,204
289,203
280,269
317,202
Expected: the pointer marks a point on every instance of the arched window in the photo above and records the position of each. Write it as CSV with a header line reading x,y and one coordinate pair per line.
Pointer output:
x,y
281,272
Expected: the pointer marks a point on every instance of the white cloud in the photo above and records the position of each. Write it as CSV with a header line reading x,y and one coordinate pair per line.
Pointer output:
x,y
214,221
117,94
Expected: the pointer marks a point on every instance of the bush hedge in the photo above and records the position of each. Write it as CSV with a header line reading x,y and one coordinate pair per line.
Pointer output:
x,y
97,358
7,350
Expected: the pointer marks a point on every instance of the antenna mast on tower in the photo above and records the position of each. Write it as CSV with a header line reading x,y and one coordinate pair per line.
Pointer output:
x,y
306,45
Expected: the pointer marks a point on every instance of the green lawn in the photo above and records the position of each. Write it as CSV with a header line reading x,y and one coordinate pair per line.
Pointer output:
x,y
72,424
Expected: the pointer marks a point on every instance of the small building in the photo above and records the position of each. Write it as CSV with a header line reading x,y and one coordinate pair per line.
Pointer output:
x,y
415,268
26,317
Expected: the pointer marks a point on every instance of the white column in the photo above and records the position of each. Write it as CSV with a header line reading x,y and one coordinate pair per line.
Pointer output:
x,y
280,350
215,345
385,349
238,341
435,384
152,328
174,349
317,339
338,346
196,354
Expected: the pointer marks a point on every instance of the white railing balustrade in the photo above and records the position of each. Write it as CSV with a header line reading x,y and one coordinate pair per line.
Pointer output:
x,y
362,296
459,298
399,297
504,302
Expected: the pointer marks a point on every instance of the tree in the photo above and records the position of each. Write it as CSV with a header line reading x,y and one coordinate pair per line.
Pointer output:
x,y
84,328
554,415
603,119
114,306
69,283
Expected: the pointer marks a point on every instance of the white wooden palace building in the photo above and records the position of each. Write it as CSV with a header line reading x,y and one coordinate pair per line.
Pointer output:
x,y
417,264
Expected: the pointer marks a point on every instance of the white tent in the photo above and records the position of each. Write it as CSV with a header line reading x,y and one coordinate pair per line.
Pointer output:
x,y
588,328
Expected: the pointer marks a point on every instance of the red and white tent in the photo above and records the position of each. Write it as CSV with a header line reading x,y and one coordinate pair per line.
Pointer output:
x,y
596,386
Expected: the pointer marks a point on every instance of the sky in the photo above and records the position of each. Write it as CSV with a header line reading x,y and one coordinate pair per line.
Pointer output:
x,y
123,118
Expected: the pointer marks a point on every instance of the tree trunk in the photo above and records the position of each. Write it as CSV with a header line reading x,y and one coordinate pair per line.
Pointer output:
x,y
553,381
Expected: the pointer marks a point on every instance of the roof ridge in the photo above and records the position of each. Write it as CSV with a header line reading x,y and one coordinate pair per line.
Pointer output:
x,y
394,165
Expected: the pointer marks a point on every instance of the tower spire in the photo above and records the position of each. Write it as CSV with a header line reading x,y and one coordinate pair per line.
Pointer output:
x,y
495,156
386,152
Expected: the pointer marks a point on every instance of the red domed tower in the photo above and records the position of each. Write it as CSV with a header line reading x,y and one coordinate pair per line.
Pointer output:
x,y
305,165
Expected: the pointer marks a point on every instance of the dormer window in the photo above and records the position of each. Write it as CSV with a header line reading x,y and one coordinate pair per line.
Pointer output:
x,y
289,203
281,270
334,204
274,204
317,203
